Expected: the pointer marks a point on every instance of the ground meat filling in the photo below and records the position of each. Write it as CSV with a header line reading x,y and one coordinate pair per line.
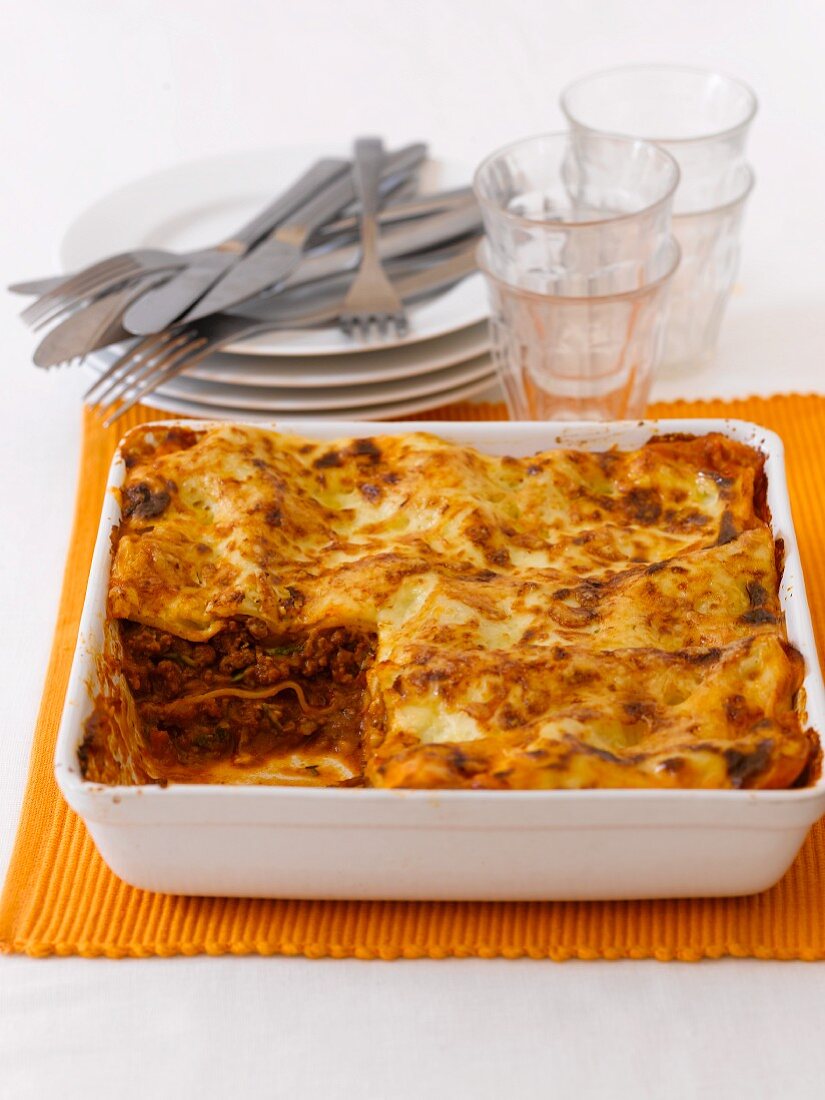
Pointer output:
x,y
206,701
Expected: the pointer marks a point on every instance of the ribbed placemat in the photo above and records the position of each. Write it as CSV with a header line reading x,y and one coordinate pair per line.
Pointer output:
x,y
60,898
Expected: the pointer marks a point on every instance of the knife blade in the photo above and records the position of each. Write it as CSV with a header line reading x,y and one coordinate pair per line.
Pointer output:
x,y
159,308
277,257
95,326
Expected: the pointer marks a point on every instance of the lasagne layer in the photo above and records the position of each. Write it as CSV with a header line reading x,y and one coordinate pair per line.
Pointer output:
x,y
402,611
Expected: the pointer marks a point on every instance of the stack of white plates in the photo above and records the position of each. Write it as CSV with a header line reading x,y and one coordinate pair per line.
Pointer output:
x,y
318,372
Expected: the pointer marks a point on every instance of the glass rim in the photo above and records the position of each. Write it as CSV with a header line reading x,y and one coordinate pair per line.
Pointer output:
x,y
624,139
592,299
737,200
696,70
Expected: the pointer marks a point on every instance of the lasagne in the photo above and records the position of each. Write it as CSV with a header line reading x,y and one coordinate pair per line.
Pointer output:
x,y
401,611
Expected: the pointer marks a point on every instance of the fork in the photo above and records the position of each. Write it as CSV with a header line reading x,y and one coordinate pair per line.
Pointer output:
x,y
371,299
157,359
69,291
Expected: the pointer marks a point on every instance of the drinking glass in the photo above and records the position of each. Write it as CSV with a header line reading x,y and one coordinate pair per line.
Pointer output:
x,y
702,119
570,214
578,257
578,358
710,241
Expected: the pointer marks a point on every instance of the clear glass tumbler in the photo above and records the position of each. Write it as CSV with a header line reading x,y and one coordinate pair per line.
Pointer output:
x,y
569,214
578,257
702,119
710,241
578,358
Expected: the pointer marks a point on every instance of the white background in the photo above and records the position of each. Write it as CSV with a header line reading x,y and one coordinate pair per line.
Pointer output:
x,y
95,93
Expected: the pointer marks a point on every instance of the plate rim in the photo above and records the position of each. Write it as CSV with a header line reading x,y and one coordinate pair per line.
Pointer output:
x,y
371,414
474,368
328,373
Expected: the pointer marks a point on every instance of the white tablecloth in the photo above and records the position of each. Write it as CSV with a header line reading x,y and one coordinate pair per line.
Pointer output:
x,y
97,93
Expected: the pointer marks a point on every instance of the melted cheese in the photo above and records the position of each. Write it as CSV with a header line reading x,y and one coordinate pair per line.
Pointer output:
x,y
568,619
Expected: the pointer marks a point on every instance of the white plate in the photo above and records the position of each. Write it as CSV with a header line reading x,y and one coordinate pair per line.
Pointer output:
x,y
197,204
345,370
188,407
310,400
495,845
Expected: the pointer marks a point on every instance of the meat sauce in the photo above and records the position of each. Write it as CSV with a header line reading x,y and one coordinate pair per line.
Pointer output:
x,y
243,697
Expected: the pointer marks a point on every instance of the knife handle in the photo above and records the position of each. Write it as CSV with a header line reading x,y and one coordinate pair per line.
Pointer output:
x,y
317,178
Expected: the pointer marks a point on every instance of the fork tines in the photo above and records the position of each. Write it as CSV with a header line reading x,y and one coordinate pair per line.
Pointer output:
x,y
77,288
352,323
140,370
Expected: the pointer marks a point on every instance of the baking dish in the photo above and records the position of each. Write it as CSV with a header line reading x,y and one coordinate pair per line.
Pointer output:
x,y
450,844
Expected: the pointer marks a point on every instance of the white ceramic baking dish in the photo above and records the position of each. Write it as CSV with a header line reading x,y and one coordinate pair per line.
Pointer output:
x,y
496,845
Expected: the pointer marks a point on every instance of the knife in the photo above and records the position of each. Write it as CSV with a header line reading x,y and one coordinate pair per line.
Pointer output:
x,y
97,325
153,311
276,258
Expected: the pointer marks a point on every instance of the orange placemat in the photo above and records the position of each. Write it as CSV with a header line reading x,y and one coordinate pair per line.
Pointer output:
x,y
60,898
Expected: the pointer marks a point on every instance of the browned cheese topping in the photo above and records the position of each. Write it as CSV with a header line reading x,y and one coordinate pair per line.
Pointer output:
x,y
400,611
